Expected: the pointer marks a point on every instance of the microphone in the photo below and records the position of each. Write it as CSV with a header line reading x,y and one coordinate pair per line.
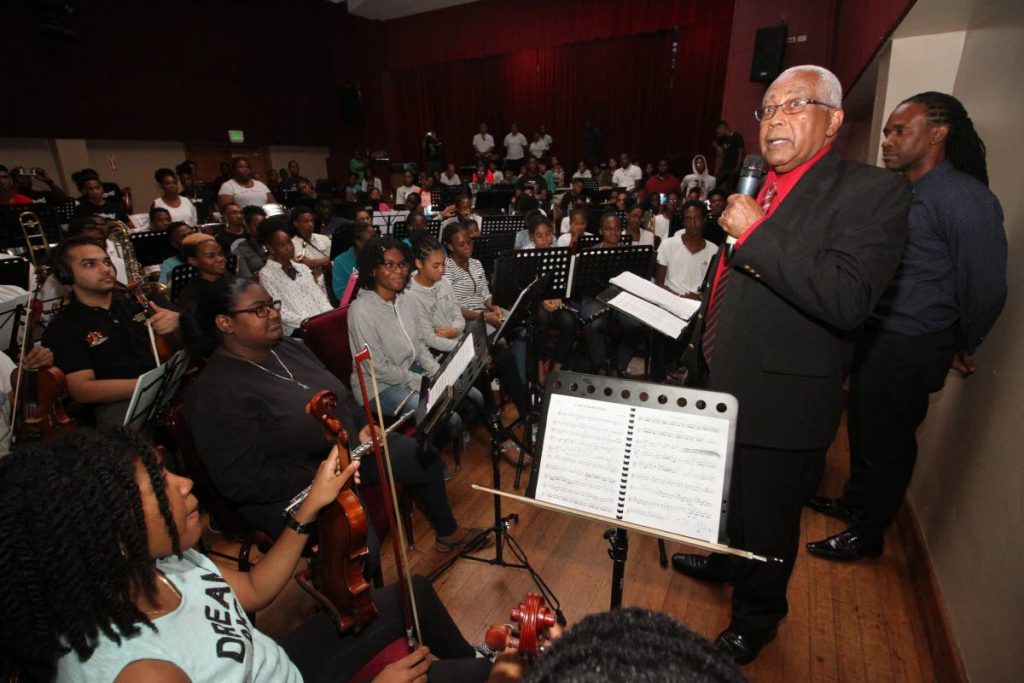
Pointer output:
x,y
751,176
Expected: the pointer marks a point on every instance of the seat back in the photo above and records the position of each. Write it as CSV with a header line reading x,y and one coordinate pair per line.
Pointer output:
x,y
350,290
227,518
326,335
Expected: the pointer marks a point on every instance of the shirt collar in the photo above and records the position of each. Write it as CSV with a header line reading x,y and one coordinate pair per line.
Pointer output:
x,y
937,172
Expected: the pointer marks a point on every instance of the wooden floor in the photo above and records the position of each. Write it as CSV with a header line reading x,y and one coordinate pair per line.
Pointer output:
x,y
847,622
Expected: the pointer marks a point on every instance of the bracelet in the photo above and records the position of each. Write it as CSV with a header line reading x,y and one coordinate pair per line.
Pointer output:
x,y
295,525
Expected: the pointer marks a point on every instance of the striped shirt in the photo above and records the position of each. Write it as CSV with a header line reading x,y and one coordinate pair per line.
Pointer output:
x,y
471,290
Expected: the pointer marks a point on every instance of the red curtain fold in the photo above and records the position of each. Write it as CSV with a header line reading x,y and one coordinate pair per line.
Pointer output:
x,y
625,84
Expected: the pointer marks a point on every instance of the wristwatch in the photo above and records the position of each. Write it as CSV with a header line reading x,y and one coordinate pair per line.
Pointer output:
x,y
295,525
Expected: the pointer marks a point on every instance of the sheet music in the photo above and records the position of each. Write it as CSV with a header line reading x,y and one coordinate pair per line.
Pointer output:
x,y
645,289
461,359
581,461
652,315
677,472
664,469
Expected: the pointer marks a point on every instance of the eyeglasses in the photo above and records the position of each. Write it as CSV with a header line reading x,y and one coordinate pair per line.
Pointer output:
x,y
394,265
792,107
260,310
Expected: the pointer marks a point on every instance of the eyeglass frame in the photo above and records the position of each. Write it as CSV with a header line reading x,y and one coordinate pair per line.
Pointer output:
x,y
392,265
273,305
759,113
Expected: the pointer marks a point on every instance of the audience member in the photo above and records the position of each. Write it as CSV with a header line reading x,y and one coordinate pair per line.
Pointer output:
x,y
582,171
23,184
665,217
159,219
683,258
699,179
371,181
311,249
537,147
557,173
606,172
234,226
716,205
661,182
198,196
729,144
180,208
344,264
358,165
408,186
203,253
242,189
515,148
176,232
250,256
7,194
635,227
287,281
449,177
628,174
483,143
94,202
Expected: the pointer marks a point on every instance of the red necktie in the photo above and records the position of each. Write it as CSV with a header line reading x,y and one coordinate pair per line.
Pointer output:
x,y
715,305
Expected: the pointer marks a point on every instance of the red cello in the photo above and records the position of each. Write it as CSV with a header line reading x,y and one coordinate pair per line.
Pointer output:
x,y
335,576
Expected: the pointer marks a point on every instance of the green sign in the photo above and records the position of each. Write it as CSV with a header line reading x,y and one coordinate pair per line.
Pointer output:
x,y
236,136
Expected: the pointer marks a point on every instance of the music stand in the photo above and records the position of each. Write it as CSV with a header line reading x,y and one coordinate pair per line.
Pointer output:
x,y
495,197
153,393
12,312
591,270
383,220
151,248
500,224
513,271
180,277
487,248
15,270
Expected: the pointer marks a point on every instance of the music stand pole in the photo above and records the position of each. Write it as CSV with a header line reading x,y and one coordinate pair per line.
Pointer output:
x,y
618,540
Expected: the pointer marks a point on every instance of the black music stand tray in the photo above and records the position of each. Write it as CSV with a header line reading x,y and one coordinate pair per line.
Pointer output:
x,y
592,269
515,270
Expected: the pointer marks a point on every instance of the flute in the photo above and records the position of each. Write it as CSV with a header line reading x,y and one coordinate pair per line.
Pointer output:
x,y
357,455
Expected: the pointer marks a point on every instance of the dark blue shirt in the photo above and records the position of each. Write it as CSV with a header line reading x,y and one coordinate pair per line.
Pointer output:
x,y
954,267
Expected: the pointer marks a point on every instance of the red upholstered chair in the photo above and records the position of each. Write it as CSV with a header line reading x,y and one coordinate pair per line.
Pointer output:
x,y
326,335
228,520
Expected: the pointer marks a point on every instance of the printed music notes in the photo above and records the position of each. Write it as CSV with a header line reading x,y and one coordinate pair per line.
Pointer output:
x,y
659,468
451,372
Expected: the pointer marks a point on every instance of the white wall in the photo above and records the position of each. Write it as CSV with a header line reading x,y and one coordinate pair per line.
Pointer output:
x,y
312,160
968,489
136,161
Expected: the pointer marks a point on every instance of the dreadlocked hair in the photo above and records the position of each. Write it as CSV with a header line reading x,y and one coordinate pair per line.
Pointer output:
x,y
74,550
964,148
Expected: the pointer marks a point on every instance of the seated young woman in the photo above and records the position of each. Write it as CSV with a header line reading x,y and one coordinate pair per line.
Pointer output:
x,y
635,227
250,256
604,359
202,252
439,320
467,276
383,317
291,283
344,264
577,228
247,412
552,313
142,604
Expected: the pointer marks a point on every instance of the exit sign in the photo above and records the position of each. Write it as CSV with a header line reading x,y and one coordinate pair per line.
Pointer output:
x,y
236,136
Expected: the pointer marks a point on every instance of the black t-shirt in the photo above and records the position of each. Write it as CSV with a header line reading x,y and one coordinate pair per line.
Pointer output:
x,y
253,433
203,202
713,231
731,146
109,209
39,196
112,342
225,239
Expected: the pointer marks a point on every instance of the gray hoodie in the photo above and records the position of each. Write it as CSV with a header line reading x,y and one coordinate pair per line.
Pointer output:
x,y
390,332
436,308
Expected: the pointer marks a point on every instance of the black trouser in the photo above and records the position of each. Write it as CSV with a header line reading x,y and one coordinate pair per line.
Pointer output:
x,y
889,385
564,323
508,376
768,490
321,654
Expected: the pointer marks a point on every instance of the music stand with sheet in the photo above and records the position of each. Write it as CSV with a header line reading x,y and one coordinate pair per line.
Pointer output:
x,y
591,270
458,372
12,313
153,392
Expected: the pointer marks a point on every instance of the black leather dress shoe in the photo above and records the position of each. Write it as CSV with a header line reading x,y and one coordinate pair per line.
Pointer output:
x,y
743,648
847,546
707,568
833,507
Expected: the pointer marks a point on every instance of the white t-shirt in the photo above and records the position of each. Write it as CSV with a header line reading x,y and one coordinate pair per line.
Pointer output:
x,y
537,149
404,191
547,141
452,179
685,269
646,237
583,174
627,177
6,368
662,225
483,143
185,211
515,143
246,196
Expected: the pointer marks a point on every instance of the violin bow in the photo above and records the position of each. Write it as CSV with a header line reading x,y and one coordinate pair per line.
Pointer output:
x,y
410,614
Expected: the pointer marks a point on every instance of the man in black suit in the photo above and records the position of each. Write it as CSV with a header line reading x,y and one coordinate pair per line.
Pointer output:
x,y
812,255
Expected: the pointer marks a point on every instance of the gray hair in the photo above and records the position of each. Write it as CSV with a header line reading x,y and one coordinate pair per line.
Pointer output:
x,y
829,88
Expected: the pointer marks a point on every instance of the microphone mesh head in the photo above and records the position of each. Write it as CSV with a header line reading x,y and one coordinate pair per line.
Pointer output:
x,y
753,165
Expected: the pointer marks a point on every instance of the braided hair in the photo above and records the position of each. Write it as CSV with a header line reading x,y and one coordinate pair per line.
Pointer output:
x,y
74,550
964,148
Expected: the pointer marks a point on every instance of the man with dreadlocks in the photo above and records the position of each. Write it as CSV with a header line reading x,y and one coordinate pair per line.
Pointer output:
x,y
947,294
102,582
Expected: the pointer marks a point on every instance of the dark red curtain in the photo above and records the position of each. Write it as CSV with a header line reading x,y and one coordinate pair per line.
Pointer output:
x,y
642,101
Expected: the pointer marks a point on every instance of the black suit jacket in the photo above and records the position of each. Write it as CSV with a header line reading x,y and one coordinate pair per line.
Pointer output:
x,y
802,285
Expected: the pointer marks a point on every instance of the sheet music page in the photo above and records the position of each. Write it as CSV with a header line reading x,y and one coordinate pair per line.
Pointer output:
x,y
581,461
677,472
655,316
462,358
677,305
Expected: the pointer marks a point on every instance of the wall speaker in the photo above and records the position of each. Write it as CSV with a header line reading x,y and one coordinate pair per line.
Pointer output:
x,y
769,44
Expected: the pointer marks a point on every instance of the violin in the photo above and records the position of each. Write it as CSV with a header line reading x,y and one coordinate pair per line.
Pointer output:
x,y
40,393
533,620
335,576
